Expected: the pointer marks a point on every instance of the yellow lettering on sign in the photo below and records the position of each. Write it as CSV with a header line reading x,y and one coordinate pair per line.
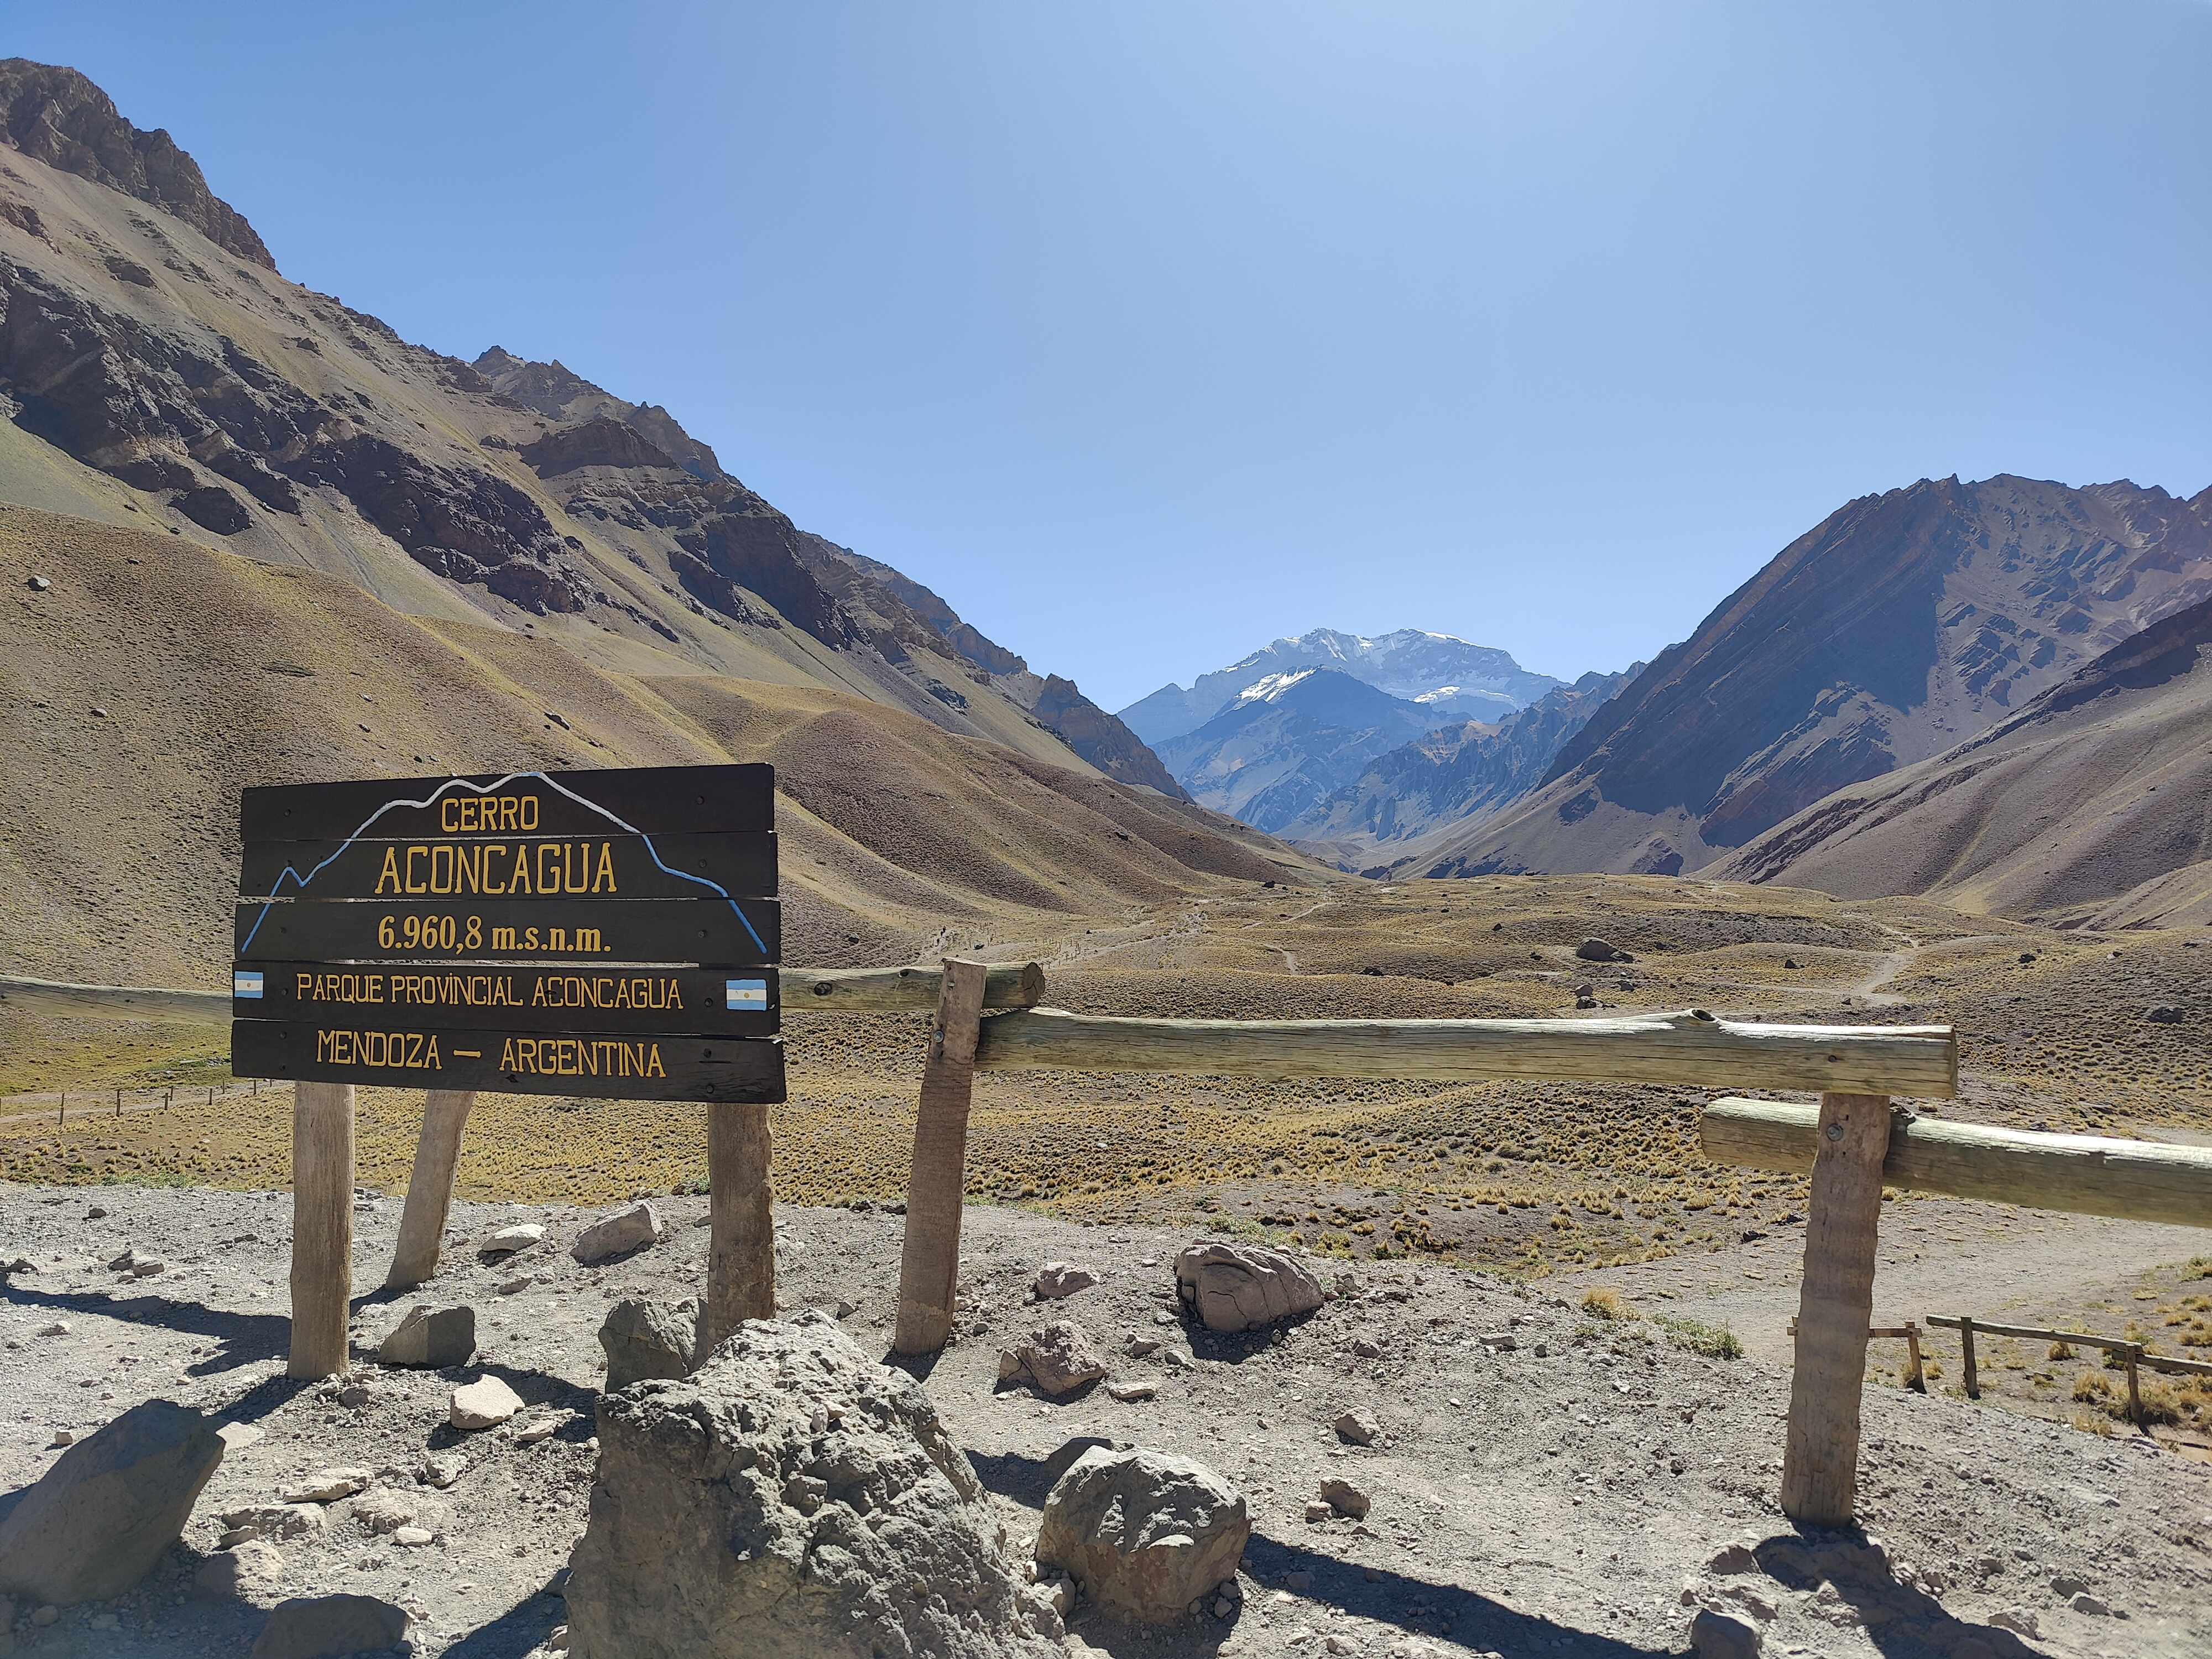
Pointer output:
x,y
391,870
412,884
606,870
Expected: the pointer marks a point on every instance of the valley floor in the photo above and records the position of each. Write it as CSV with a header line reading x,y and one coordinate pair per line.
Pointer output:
x,y
1556,1496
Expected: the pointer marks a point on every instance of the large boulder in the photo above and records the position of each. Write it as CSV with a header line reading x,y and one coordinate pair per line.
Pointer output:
x,y
1241,1287
617,1234
313,1627
431,1338
1142,1532
95,1521
792,1499
645,1339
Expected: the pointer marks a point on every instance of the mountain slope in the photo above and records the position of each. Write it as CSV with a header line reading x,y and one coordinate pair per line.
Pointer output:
x,y
1276,752
1459,680
156,369
1448,776
1902,623
2094,803
155,677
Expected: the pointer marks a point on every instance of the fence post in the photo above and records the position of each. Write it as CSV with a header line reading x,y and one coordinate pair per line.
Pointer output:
x,y
1819,1463
2133,1352
1971,1381
929,1267
741,1214
429,1188
322,1227
1913,1378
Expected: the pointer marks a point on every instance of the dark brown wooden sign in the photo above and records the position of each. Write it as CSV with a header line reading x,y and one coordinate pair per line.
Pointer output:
x,y
610,932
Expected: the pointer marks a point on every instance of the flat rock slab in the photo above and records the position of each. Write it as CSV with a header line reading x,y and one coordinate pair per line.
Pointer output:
x,y
1241,1287
793,1499
484,1404
431,1338
93,1524
1059,1280
618,1234
319,1626
1143,1533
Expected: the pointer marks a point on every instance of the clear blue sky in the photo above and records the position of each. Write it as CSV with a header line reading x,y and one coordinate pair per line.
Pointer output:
x,y
1147,332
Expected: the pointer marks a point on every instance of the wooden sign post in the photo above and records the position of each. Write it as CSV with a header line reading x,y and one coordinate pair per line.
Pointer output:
x,y
612,932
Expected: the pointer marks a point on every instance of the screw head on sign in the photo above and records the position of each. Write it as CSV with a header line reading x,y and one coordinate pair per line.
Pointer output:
x,y
1835,1132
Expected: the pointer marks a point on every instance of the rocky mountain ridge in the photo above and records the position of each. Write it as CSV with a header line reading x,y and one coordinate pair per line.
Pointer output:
x,y
1274,754
1448,776
1454,678
157,370
1902,624
2092,806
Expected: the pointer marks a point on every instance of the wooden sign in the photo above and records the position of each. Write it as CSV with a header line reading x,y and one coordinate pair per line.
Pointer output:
x,y
609,932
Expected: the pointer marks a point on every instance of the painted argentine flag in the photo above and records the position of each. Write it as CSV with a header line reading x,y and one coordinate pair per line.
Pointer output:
x,y
243,984
750,993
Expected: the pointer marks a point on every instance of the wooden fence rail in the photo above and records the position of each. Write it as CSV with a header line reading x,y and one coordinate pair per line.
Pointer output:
x,y
2087,1175
1691,1049
2134,1354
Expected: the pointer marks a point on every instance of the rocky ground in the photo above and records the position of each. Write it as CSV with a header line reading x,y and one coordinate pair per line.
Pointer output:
x,y
1544,1481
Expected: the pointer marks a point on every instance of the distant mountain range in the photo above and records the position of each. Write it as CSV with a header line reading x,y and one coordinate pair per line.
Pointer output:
x,y
1899,627
1455,680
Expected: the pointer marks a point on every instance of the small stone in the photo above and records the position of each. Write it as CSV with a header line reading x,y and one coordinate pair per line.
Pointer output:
x,y
310,1627
1223,1606
1142,1346
1299,1582
412,1538
509,1241
1318,1510
1345,1497
2167,1014
617,1234
251,1569
1598,950
1366,1347
273,1521
95,1213
47,1616
1058,1280
846,1310
1132,1390
62,1437
1504,1342
1355,1430
431,1338
2095,1606
442,1469
237,1436
543,1429
327,1487
484,1404
39,584
1733,1559
147,1266
1057,1358
59,1327
2019,1620
381,1510
1716,1635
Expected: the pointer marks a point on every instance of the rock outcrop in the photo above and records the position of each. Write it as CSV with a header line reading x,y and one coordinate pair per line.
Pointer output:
x,y
1143,1533
792,1499
617,1234
94,1522
1056,1359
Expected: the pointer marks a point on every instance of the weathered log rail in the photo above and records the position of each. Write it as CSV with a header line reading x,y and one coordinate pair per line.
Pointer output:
x,y
2088,1174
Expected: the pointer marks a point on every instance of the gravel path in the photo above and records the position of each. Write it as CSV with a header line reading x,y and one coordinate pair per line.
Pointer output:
x,y
1551,1496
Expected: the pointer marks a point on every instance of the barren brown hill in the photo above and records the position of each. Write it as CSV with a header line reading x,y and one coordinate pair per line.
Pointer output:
x,y
157,370
155,677
1904,623
2089,806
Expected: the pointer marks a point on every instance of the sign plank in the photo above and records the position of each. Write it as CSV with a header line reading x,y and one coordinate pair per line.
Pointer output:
x,y
742,932
663,800
401,1056
512,866
730,1002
